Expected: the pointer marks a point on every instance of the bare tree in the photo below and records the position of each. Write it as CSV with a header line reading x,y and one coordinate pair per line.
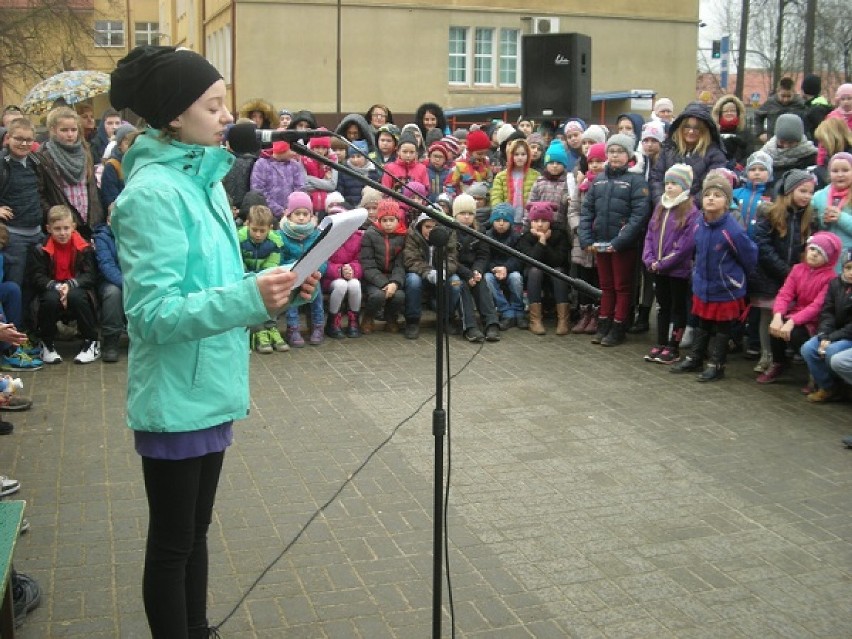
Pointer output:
x,y
39,38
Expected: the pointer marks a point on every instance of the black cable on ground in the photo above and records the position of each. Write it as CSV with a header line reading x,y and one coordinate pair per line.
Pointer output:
x,y
348,481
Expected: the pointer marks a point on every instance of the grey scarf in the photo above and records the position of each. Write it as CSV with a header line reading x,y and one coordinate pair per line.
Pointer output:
x,y
70,159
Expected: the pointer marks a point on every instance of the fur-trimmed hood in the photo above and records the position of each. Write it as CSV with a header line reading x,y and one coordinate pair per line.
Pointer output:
x,y
259,104
741,110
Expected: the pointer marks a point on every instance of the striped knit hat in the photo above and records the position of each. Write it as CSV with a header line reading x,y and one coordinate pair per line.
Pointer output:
x,y
451,143
680,174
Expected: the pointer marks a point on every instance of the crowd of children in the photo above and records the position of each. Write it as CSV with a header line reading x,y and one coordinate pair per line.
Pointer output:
x,y
682,209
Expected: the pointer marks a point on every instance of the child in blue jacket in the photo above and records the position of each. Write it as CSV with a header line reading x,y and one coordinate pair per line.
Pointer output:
x,y
298,233
758,174
724,255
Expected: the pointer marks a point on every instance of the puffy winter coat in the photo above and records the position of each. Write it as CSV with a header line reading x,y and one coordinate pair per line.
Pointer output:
x,y
614,210
277,179
776,255
670,245
724,255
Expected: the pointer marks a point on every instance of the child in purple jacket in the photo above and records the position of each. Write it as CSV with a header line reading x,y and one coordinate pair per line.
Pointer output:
x,y
276,174
667,254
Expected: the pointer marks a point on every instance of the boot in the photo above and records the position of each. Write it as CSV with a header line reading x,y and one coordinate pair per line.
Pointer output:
x,y
715,369
641,325
391,323
695,360
603,326
316,338
334,327
354,330
563,318
367,323
592,326
585,317
615,336
522,322
536,327
109,352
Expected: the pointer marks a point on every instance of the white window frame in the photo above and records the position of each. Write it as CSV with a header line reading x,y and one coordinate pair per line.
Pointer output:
x,y
107,28
146,33
455,55
505,59
487,58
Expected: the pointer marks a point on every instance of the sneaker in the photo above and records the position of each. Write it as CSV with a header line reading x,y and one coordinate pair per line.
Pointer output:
x,y
49,354
773,372
262,342
653,354
279,344
26,595
14,404
90,352
18,360
25,526
32,348
752,353
492,333
668,356
6,428
473,334
8,486
821,395
294,337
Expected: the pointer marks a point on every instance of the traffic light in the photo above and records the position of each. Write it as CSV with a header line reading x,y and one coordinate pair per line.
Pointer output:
x,y
717,49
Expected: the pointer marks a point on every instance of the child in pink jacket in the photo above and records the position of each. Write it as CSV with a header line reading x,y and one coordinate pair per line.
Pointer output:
x,y
797,306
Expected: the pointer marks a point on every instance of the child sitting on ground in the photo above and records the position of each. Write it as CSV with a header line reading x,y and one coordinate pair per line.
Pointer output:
x,y
473,256
799,302
261,249
504,272
63,273
383,267
298,233
342,280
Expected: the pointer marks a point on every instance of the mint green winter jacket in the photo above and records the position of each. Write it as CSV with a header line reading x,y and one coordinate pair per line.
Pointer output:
x,y
186,297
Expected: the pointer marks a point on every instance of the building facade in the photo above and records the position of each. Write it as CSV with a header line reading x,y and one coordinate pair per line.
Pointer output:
x,y
336,57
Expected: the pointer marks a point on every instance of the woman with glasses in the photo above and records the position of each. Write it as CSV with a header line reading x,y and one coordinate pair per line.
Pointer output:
x,y
377,116
693,139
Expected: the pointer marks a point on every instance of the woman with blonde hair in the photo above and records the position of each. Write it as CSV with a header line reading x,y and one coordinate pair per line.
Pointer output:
x,y
832,136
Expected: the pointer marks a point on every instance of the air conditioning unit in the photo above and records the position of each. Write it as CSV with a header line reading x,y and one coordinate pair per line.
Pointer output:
x,y
545,25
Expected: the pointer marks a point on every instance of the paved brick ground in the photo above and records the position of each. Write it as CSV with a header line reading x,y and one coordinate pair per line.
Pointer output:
x,y
593,495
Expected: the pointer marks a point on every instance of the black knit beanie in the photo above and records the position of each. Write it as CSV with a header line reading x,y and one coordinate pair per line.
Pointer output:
x,y
160,83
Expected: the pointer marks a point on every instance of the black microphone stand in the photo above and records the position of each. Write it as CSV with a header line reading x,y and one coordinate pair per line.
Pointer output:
x,y
438,238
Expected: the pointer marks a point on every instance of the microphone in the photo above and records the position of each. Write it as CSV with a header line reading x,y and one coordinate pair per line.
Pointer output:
x,y
264,136
439,236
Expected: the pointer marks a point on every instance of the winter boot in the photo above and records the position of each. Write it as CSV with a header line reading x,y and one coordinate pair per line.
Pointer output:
x,y
592,326
563,319
334,327
353,330
367,323
316,338
585,317
109,353
604,324
294,337
695,360
715,369
536,326
641,325
615,336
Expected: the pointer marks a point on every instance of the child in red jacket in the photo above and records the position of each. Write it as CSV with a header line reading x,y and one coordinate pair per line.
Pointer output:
x,y
63,272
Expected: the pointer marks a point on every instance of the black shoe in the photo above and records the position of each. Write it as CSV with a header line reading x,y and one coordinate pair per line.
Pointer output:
x,y
412,330
473,334
712,373
687,365
604,324
6,428
507,322
492,333
641,325
615,336
522,322
26,595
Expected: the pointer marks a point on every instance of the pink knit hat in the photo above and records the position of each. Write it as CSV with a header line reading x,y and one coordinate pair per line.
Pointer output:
x,y
541,211
299,200
843,90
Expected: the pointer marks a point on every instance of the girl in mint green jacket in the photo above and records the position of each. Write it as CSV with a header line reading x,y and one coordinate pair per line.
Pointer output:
x,y
188,304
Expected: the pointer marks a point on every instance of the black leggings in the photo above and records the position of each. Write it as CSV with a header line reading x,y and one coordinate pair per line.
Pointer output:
x,y
180,504
672,296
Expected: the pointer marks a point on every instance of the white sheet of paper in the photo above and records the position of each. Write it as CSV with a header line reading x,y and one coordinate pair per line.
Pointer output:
x,y
334,231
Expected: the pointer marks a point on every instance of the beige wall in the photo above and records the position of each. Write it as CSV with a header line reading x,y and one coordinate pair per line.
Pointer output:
x,y
397,54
